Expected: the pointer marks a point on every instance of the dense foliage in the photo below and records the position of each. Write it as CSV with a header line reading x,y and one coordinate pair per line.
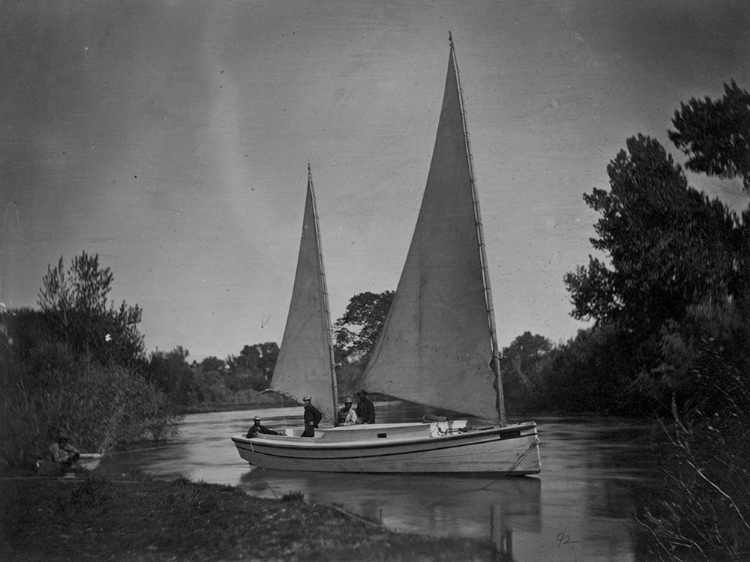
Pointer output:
x,y
51,388
357,331
74,366
76,308
355,335
236,380
715,134
703,510
671,311
522,366
667,245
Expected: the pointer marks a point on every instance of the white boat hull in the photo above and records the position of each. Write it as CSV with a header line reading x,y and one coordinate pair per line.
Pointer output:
x,y
436,447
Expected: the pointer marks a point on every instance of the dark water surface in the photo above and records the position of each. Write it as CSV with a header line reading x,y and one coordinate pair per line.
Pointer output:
x,y
579,508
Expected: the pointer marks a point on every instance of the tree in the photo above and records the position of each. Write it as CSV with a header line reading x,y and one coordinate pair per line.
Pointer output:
x,y
715,135
171,373
260,358
592,372
521,366
76,306
212,364
673,321
669,246
524,359
357,331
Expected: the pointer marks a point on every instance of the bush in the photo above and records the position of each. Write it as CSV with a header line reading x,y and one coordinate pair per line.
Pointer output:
x,y
703,510
48,389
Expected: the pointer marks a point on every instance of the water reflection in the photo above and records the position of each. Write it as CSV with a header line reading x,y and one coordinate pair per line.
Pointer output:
x,y
579,508
435,505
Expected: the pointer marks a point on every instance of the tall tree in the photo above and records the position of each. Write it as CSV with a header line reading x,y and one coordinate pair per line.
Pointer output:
x,y
668,245
76,304
715,135
357,331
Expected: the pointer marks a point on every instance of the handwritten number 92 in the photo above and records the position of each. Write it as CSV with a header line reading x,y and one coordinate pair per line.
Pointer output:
x,y
562,539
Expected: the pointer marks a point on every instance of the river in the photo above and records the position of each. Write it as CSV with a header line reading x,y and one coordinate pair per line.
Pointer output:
x,y
580,508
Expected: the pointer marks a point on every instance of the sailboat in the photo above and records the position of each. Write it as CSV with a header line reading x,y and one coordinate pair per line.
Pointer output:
x,y
438,346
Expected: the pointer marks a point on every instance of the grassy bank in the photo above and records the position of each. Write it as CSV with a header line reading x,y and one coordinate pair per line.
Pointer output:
x,y
133,517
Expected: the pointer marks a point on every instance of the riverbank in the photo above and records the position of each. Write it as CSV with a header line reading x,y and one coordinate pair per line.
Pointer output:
x,y
127,517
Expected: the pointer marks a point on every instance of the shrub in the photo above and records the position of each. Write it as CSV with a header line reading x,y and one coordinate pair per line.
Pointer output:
x,y
703,510
98,406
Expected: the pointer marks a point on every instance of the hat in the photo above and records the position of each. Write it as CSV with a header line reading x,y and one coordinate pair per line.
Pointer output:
x,y
347,400
256,418
307,399
362,392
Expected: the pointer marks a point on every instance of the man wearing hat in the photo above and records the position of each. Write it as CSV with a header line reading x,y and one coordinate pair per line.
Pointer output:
x,y
346,416
365,408
258,428
311,416
63,453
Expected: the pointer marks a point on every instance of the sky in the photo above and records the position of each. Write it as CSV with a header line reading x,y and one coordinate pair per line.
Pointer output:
x,y
172,138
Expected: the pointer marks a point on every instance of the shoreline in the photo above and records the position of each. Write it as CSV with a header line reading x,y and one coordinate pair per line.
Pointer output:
x,y
123,517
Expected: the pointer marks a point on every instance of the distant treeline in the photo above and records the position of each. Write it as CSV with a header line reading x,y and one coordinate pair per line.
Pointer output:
x,y
235,380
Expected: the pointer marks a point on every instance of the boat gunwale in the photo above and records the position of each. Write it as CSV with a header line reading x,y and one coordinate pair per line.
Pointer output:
x,y
491,434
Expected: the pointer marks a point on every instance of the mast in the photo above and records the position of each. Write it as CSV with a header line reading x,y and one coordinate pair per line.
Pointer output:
x,y
495,360
324,288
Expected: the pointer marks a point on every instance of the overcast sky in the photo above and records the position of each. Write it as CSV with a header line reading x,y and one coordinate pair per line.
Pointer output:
x,y
172,138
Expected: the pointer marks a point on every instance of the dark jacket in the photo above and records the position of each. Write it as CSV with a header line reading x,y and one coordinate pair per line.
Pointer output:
x,y
365,411
256,429
312,418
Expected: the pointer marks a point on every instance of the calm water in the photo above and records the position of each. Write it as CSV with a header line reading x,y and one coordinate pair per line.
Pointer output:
x,y
579,508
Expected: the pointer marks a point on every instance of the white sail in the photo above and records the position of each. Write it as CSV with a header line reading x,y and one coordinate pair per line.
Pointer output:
x,y
305,363
437,345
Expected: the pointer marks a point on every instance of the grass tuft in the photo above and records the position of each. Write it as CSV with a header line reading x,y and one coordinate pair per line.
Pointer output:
x,y
296,496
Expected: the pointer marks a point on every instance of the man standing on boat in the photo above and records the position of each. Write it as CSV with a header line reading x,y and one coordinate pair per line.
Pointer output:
x,y
312,417
365,408
346,415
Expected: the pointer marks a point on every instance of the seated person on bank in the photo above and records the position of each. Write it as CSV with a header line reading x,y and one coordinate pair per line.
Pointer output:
x,y
63,453
258,428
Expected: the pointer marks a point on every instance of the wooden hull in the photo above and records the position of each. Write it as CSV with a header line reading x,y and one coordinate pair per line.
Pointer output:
x,y
437,447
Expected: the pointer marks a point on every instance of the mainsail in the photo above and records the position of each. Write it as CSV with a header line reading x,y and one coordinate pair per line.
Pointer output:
x,y
438,343
305,364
